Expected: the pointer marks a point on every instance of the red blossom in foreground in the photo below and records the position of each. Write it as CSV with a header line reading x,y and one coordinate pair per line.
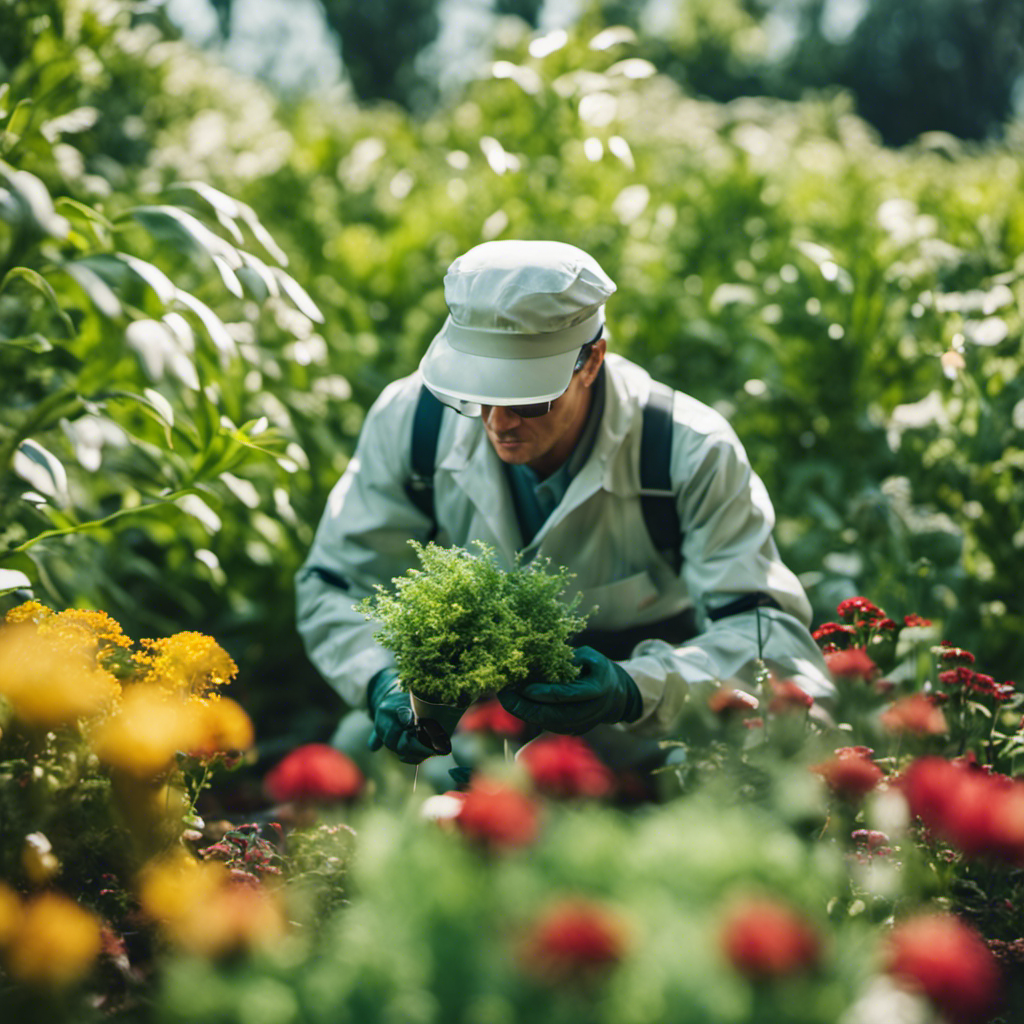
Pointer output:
x,y
947,961
565,767
314,773
764,938
787,696
498,815
917,714
979,813
977,683
575,939
915,620
858,609
853,663
489,716
851,778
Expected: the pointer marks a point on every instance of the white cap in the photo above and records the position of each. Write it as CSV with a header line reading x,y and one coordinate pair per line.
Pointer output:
x,y
519,313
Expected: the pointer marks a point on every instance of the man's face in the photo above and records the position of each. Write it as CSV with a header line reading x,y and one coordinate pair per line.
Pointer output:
x,y
545,442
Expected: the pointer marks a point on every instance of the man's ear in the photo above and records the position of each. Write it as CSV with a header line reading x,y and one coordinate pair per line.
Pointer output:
x,y
597,353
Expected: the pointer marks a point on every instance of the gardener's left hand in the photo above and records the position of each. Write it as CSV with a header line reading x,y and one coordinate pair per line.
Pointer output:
x,y
603,692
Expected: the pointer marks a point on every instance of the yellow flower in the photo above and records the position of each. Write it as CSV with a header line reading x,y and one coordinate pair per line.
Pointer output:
x,y
55,943
188,662
52,680
224,726
146,731
29,611
10,914
201,908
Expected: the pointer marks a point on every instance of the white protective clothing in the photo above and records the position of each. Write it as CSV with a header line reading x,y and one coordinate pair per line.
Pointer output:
x,y
597,531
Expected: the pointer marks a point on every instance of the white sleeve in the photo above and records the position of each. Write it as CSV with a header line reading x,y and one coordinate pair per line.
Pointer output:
x,y
728,552
363,539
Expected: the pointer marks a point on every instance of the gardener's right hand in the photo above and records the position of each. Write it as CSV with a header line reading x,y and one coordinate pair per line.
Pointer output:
x,y
394,724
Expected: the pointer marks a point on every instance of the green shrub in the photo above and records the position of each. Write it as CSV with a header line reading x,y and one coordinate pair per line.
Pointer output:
x,y
462,626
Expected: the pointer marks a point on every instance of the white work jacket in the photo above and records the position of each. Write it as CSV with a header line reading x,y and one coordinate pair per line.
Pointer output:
x,y
597,531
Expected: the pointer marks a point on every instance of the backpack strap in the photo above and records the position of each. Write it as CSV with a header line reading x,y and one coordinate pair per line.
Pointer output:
x,y
426,427
657,499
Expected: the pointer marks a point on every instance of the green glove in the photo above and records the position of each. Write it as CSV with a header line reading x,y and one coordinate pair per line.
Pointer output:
x,y
394,724
603,692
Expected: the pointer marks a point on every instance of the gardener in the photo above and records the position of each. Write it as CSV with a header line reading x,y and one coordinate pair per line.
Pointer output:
x,y
539,451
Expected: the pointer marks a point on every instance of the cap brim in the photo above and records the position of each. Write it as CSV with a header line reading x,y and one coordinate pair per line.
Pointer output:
x,y
466,377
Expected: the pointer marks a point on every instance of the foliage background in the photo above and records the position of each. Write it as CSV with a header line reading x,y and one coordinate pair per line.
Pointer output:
x,y
852,306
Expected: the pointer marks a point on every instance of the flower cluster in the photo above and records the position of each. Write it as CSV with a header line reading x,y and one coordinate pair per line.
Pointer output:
x,y
979,812
763,937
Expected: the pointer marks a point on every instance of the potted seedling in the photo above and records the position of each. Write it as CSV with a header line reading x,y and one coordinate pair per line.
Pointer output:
x,y
461,626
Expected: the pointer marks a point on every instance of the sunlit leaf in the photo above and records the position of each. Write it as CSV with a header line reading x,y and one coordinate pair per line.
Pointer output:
x,y
36,201
258,277
262,235
41,470
37,281
298,295
214,325
36,343
161,284
96,288
180,227
217,200
228,276
11,580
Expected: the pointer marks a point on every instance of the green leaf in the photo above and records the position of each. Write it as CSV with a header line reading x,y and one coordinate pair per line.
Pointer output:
x,y
190,233
298,295
258,277
154,404
11,580
37,281
214,325
262,235
218,201
20,117
41,470
36,343
90,214
103,298
163,287
36,200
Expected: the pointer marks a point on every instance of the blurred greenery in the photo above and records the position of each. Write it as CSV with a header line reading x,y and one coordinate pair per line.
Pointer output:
x,y
853,308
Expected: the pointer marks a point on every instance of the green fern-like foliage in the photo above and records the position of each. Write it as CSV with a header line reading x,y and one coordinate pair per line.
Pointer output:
x,y
462,626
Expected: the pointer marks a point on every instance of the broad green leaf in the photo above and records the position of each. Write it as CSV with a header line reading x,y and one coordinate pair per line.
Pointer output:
x,y
154,404
20,117
5,89
37,281
103,298
214,325
298,295
11,580
36,200
161,284
66,202
178,226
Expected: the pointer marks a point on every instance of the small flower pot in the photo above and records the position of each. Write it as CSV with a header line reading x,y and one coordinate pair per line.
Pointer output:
x,y
435,723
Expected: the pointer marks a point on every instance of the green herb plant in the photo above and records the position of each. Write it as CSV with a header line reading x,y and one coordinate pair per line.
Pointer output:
x,y
462,625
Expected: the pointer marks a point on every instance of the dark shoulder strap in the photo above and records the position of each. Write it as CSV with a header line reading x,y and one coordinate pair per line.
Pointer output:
x,y
657,499
426,427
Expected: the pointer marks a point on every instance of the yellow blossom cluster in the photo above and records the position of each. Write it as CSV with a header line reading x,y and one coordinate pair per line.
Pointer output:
x,y
202,908
56,670
48,939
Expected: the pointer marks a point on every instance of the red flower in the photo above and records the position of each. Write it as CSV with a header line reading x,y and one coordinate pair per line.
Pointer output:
x,y
915,620
575,939
854,663
490,716
951,655
981,814
915,714
851,778
940,956
858,609
497,815
314,772
764,938
833,631
787,696
872,841
727,702
564,766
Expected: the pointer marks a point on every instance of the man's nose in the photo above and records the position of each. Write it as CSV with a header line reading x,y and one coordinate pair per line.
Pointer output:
x,y
502,418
